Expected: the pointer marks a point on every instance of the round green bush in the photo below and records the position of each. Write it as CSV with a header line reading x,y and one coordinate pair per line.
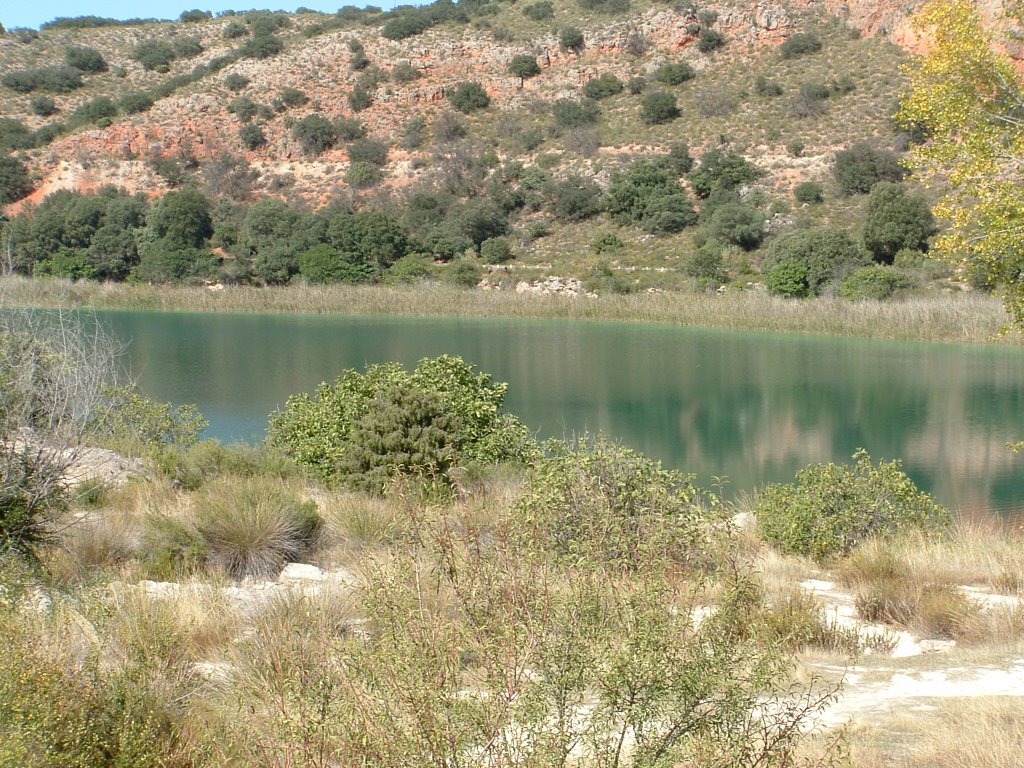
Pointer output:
x,y
831,508
874,281
659,107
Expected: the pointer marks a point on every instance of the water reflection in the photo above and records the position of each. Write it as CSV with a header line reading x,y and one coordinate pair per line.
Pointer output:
x,y
750,407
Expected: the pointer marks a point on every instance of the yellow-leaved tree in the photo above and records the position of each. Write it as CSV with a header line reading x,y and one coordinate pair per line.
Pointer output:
x,y
968,100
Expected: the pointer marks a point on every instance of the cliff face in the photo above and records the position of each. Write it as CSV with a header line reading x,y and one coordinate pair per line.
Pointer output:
x,y
194,122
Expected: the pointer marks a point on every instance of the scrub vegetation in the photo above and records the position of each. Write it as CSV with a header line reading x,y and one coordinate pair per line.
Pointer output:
x,y
479,597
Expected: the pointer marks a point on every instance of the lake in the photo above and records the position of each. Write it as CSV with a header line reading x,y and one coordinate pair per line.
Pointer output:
x,y
751,408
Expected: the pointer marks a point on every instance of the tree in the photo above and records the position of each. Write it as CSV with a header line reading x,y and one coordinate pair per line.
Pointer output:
x,y
14,180
523,66
967,99
571,39
659,107
803,262
896,220
181,219
860,167
469,96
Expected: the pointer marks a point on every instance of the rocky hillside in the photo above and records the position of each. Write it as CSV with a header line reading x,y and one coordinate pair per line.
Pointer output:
x,y
365,109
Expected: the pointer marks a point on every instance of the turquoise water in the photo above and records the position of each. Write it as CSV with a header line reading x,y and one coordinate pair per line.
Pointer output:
x,y
749,407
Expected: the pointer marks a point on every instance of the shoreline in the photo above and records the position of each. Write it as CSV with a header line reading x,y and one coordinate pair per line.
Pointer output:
x,y
967,318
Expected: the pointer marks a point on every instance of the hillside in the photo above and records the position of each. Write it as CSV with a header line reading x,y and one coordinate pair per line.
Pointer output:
x,y
330,111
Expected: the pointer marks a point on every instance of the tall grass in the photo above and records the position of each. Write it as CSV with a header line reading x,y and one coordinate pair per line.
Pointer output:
x,y
971,317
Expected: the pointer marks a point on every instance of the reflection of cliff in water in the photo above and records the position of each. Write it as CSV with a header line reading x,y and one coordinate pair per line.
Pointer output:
x,y
748,407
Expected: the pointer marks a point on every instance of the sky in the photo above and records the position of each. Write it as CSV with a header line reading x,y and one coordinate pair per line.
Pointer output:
x,y
20,13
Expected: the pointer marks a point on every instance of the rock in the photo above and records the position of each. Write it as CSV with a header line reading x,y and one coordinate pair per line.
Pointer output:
x,y
300,573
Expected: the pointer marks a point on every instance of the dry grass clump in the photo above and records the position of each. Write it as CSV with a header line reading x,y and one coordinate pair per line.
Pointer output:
x,y
253,526
959,733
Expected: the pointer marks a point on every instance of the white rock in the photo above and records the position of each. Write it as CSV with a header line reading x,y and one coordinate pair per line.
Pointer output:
x,y
294,573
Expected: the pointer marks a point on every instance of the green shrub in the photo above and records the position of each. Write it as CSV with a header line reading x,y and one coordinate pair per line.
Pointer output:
x,y
44,106
709,40
576,198
596,502
707,264
721,170
674,73
318,431
404,432
369,151
251,527
404,72
738,224
349,128
244,108
292,97
524,66
251,136
539,11
571,39
496,250
816,256
570,113
659,107
134,422
463,273
362,175
261,47
636,85
186,47
14,180
233,30
315,133
323,264
469,96
875,281
84,58
896,220
831,508
648,194
767,88
135,102
602,86
860,167
153,54
607,242
808,192
800,44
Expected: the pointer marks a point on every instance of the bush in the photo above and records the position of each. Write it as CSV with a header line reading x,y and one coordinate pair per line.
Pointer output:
x,y
469,96
720,170
636,85
808,192
134,102
576,198
233,30
657,108
462,273
84,58
251,136
404,72
362,175
318,431
674,73
496,250
539,11
707,264
803,262
315,133
597,502
194,16
323,264
349,128
874,281
523,66
571,39
569,113
649,195
860,167
405,432
896,220
153,54
14,180
370,151
709,40
738,224
767,88
602,87
800,44
831,508
55,79
253,526
262,47
244,108
186,47
44,106
360,98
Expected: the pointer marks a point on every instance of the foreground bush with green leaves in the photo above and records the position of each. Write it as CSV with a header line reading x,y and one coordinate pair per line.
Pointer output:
x,y
831,508
368,428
